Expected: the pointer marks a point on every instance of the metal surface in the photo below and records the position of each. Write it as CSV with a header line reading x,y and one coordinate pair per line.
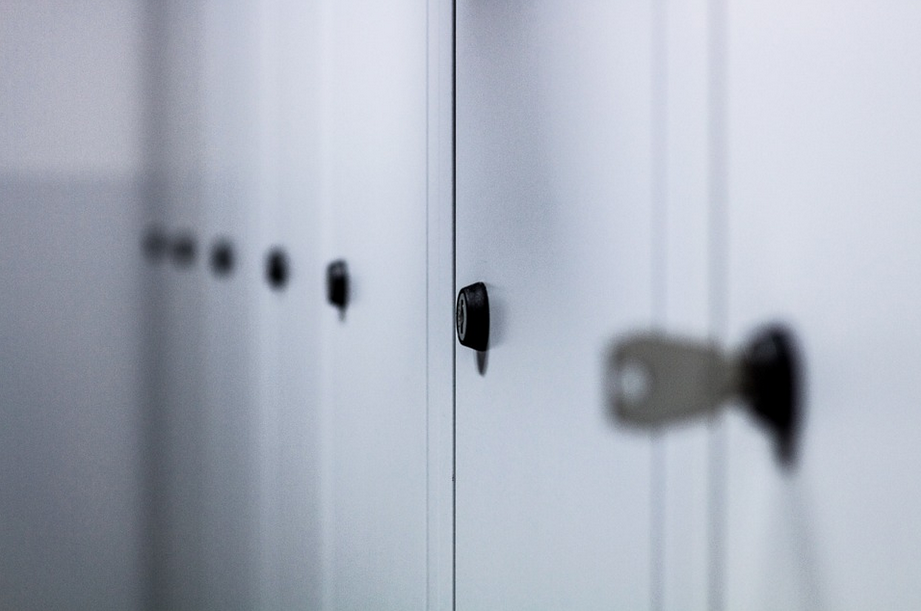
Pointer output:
x,y
553,508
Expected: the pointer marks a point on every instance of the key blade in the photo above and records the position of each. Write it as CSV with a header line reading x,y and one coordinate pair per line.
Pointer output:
x,y
655,379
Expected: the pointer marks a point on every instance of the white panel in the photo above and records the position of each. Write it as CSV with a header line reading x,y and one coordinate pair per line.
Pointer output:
x,y
298,425
440,312
554,214
232,326
374,147
825,227
263,520
237,152
685,281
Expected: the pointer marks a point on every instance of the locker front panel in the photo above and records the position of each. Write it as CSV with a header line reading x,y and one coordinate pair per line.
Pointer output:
x,y
554,216
373,325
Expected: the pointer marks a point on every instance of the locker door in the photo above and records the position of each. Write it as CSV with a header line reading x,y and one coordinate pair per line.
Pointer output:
x,y
554,215
294,454
178,431
235,321
824,227
374,147
261,526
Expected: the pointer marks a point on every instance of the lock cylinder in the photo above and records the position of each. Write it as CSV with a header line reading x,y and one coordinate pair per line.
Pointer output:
x,y
472,317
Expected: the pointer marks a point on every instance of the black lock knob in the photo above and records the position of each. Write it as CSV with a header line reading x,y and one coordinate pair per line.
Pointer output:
x,y
771,385
155,244
472,317
222,257
184,249
337,284
277,268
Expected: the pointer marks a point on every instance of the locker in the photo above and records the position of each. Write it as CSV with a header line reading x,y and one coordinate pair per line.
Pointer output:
x,y
177,426
296,456
249,473
237,313
554,214
296,444
233,438
373,149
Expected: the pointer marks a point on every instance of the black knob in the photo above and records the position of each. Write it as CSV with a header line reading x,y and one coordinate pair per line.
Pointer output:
x,y
222,257
184,249
277,269
771,384
337,284
472,317
155,244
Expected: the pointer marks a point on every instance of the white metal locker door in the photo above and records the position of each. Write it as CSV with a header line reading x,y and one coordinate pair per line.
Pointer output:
x,y
297,425
232,141
554,215
374,349
824,232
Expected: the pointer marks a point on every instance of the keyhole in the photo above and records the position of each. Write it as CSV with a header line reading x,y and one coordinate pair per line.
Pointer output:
x,y
462,317
222,258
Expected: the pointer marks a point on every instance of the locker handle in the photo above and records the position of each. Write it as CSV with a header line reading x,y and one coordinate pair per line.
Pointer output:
x,y
277,268
655,379
222,257
337,285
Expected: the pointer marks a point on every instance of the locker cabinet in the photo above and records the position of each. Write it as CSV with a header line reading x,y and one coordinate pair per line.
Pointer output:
x,y
240,311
